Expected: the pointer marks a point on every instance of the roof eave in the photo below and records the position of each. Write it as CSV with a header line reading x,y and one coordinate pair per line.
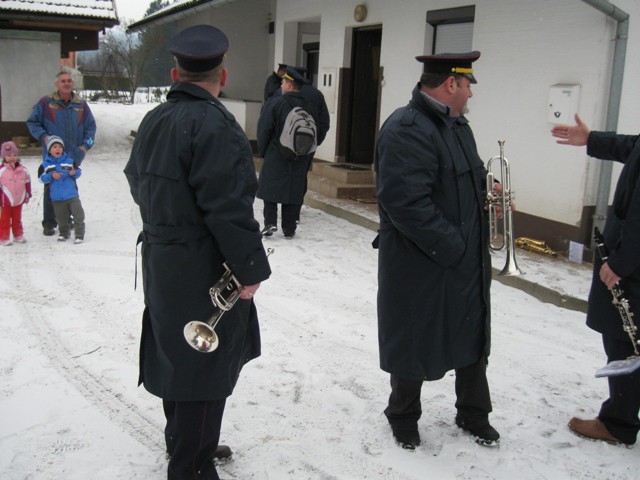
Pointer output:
x,y
8,20
169,14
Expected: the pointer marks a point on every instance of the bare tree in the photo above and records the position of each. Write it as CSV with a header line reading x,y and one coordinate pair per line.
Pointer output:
x,y
128,54
132,56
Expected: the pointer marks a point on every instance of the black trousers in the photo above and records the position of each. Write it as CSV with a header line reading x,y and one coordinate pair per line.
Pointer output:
x,y
192,434
48,215
290,214
619,412
473,400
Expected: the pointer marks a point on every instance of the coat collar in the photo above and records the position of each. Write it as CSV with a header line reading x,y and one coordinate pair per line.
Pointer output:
x,y
433,108
74,98
190,89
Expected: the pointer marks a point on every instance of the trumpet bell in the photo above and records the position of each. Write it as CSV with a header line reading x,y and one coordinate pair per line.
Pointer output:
x,y
201,337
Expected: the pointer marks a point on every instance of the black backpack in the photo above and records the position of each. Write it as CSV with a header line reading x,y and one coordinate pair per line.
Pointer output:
x,y
299,134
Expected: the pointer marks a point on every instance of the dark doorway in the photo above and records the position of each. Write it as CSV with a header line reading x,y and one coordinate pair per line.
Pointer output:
x,y
312,51
364,93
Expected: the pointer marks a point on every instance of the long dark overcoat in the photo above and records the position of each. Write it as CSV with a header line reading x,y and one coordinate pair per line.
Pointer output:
x,y
192,175
434,268
283,179
314,96
621,234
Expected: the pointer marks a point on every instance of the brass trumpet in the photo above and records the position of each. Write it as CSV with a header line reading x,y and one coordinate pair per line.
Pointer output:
x,y
201,336
501,199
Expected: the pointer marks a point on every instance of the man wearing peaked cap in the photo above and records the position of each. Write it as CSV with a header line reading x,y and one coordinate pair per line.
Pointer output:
x,y
191,150
434,240
315,96
274,81
199,48
451,63
293,74
283,177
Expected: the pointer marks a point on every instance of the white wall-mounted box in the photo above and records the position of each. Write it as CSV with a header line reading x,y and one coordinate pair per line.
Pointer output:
x,y
563,103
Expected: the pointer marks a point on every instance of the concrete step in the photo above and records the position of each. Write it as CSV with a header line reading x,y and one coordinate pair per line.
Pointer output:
x,y
339,180
345,172
332,188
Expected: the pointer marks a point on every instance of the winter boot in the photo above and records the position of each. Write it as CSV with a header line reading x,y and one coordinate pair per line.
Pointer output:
x,y
481,432
406,436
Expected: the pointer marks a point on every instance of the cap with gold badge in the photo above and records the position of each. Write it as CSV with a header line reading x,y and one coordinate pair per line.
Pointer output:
x,y
452,63
293,74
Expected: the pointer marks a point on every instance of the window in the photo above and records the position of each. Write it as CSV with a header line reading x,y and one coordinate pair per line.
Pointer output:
x,y
452,30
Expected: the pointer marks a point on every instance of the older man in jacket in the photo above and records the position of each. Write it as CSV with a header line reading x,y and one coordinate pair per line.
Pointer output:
x,y
66,115
617,422
434,269
191,173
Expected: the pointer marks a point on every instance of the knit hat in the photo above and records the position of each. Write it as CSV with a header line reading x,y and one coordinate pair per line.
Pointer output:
x,y
8,148
54,139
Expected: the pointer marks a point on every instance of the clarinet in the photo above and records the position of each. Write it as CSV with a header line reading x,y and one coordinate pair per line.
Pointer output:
x,y
621,303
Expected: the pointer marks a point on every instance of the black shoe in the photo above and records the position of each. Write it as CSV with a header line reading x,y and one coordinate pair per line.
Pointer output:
x,y
483,433
268,230
406,436
222,452
222,455
48,231
288,235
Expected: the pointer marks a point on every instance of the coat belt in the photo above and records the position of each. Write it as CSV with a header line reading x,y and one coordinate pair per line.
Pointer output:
x,y
169,234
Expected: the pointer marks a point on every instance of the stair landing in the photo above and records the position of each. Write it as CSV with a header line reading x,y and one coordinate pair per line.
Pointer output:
x,y
343,180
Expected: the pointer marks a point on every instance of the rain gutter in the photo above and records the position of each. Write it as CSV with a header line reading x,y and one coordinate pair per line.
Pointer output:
x,y
613,107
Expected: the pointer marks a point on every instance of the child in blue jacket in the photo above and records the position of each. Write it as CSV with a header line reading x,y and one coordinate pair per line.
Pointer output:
x,y
60,173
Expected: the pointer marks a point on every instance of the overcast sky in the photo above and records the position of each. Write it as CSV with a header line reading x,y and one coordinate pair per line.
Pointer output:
x,y
132,9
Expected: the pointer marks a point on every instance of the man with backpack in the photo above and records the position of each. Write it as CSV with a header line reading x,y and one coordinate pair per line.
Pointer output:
x,y
287,140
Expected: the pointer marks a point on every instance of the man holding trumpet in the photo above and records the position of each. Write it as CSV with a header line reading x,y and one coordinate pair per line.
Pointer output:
x,y
192,175
434,268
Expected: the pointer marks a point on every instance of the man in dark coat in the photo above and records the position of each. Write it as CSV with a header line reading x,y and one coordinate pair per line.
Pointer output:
x,y
323,121
192,175
434,269
274,81
316,98
283,176
617,421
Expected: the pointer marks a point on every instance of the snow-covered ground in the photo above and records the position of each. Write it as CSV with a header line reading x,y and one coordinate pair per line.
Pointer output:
x,y
311,406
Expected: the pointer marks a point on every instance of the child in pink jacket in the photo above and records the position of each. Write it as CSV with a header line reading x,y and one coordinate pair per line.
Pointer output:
x,y
15,183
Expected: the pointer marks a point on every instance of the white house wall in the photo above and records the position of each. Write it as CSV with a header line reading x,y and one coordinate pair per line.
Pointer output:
x,y
246,23
29,63
526,46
